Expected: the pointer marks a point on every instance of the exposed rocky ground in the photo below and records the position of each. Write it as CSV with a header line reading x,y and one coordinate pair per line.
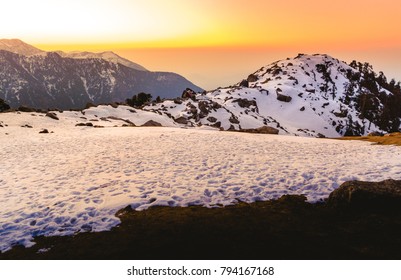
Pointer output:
x,y
360,220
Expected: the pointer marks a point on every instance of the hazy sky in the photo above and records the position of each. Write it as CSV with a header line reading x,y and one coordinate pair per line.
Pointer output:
x,y
212,42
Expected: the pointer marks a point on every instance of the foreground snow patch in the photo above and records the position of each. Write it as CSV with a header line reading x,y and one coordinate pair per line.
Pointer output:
x,y
76,179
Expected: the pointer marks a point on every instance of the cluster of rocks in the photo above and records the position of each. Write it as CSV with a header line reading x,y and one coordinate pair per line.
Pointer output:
x,y
261,130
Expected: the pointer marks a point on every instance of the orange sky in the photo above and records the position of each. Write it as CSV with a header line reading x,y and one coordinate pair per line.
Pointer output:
x,y
212,42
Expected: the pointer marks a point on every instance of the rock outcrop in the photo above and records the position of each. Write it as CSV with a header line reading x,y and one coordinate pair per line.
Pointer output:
x,y
367,195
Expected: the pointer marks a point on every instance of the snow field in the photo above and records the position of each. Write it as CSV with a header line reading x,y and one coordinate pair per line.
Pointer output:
x,y
75,179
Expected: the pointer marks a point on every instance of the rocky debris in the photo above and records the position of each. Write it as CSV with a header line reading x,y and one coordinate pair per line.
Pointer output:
x,y
233,119
362,195
151,123
252,78
283,98
188,93
217,125
52,115
84,124
3,105
177,101
212,119
244,83
245,103
204,109
127,121
44,131
26,109
302,109
319,135
181,120
342,114
262,130
26,126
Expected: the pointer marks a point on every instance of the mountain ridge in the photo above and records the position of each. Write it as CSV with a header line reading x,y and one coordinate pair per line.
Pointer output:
x,y
49,80
309,95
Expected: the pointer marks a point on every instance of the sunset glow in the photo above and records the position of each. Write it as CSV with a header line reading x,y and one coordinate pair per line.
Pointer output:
x,y
291,26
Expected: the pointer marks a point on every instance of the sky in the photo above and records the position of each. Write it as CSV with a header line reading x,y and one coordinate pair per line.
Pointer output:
x,y
212,42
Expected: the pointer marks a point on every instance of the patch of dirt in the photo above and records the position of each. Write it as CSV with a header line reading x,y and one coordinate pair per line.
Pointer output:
x,y
287,228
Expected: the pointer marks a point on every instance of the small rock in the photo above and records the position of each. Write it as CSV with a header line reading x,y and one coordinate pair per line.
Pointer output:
x,y
283,98
212,119
44,131
52,116
151,123
84,124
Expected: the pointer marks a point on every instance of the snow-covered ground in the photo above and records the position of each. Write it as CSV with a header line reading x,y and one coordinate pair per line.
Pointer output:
x,y
76,178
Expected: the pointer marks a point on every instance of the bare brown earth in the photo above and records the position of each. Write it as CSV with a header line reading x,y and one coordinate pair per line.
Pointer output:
x,y
390,139
287,228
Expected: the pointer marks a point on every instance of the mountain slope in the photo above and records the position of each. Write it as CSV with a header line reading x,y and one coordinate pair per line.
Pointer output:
x,y
310,95
31,77
18,46
51,81
109,56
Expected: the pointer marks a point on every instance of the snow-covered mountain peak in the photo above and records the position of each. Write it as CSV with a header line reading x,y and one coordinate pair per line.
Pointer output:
x,y
309,95
19,47
107,55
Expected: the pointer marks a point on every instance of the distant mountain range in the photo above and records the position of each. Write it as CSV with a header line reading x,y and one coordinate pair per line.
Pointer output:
x,y
39,79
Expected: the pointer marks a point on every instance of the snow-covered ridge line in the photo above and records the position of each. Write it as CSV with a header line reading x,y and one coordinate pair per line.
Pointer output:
x,y
310,95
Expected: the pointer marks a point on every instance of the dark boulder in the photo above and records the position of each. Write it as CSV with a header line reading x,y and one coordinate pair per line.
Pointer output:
x,y
244,83
52,116
252,78
26,109
181,120
188,93
151,123
204,109
367,196
84,124
212,119
3,105
283,98
44,131
245,103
